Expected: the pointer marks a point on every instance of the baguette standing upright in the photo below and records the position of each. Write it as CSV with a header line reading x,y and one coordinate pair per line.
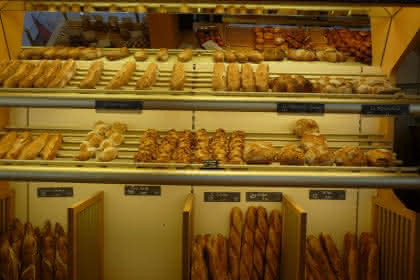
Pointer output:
x,y
261,77
247,78
47,252
217,255
199,269
22,140
233,77
93,76
235,234
219,77
364,254
351,264
65,75
9,263
332,254
273,248
61,257
122,77
149,77
7,142
373,262
318,254
261,234
178,77
29,254
312,266
246,264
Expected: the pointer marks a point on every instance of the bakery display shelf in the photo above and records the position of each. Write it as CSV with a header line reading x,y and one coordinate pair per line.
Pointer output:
x,y
124,170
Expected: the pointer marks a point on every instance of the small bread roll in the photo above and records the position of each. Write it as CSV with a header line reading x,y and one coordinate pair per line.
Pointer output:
x,y
310,140
350,156
262,78
247,78
230,56
108,154
185,55
148,79
380,158
242,56
140,55
233,77
291,155
162,55
219,77
178,77
219,56
306,126
255,56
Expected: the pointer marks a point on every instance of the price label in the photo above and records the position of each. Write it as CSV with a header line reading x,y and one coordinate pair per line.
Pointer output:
x,y
222,197
327,195
386,109
142,190
106,105
55,192
264,196
211,164
310,108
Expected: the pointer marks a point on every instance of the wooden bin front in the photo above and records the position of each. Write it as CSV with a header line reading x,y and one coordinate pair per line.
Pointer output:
x,y
7,209
397,231
86,239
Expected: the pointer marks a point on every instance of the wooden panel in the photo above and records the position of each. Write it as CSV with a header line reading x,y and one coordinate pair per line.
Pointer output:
x,y
86,238
13,28
7,209
380,28
187,236
293,240
164,31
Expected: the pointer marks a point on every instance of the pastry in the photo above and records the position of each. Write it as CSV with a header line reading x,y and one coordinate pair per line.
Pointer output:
x,y
140,55
162,55
235,234
380,157
259,152
247,78
123,76
290,155
49,74
148,146
34,75
22,140
219,77
148,79
7,142
202,149
233,77
52,146
246,263
32,150
262,78
319,155
178,77
64,75
186,55
93,76
306,126
350,156
236,147
273,248
332,254
184,151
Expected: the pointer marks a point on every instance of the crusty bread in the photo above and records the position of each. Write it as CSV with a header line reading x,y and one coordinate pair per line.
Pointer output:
x,y
6,143
65,75
290,155
273,248
148,79
34,75
262,77
199,269
350,156
219,77
380,157
93,76
22,140
351,263
178,77
261,235
235,235
233,77
52,146
122,77
32,150
315,248
246,264
49,74
309,140
22,72
248,78
332,253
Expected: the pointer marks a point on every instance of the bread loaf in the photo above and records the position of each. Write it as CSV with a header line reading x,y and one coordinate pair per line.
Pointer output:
x,y
117,54
273,248
49,74
262,77
22,72
319,155
9,70
6,143
219,56
48,253
93,76
64,75
30,255
217,255
22,140
123,76
178,77
199,269
230,56
242,56
247,78
149,77
261,235
301,55
291,155
233,77
351,263
312,266
235,235
380,157
310,140
61,258
259,152
318,254
162,55
332,254
246,263
219,77
366,239
255,56
34,75
373,262
186,55
32,150
350,156
306,126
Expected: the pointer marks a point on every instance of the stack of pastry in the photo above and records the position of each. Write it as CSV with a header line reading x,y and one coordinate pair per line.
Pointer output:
x,y
236,147
219,146
201,148
184,152
148,146
102,141
167,147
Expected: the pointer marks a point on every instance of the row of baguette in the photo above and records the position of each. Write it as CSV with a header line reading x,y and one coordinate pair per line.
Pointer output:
x,y
252,250
28,253
359,261
57,74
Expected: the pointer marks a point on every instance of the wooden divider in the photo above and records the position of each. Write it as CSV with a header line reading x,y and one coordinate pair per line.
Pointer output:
x,y
7,209
187,236
397,231
86,239
293,240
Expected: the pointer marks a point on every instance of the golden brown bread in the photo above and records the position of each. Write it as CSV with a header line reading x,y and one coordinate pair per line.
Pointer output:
x,y
242,56
219,77
48,252
117,54
140,55
273,248
306,126
34,75
233,77
230,56
199,269
246,263
178,77
9,70
50,149
290,155
9,263
108,154
319,155
380,157
93,76
148,79
315,248
123,76
310,140
7,142
162,55
21,73
219,56
49,74
32,150
186,55
373,262
262,77
86,152
61,258
301,55
235,235
259,152
367,260
312,265
64,75
350,156
332,254
351,263
217,255
29,254
261,235
247,78
255,56
22,140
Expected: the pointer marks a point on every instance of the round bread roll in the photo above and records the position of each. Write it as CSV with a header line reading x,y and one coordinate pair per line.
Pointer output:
x,y
219,56
290,155
350,156
306,126
230,56
319,155
380,158
242,56
310,140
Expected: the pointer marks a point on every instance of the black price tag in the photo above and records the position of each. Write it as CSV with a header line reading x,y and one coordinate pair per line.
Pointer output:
x,y
118,105
327,195
55,192
309,108
142,190
264,196
386,109
222,197
211,164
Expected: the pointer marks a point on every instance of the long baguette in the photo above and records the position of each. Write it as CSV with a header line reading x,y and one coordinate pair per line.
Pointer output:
x,y
61,257
233,77
313,266
235,234
30,254
350,257
332,254
32,150
48,253
261,77
219,77
7,142
273,248
364,254
317,252
217,255
261,235
149,77
65,75
373,262
49,75
199,269
178,77
39,70
93,76
9,71
122,77
21,141
247,78
246,264
51,148
22,72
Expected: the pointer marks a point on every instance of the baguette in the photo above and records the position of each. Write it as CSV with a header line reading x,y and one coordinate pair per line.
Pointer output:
x,y
247,246
317,252
7,142
149,77
233,77
162,55
261,78
90,53
219,78
247,78
22,140
199,269
49,74
9,70
32,150
365,238
273,248
217,255
236,221
63,53
373,262
50,150
122,77
93,76
332,254
47,252
29,254
50,53
312,266
9,263
350,257
261,234
65,75
178,77
61,257
39,70
117,54
186,55
74,53
22,72
16,234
